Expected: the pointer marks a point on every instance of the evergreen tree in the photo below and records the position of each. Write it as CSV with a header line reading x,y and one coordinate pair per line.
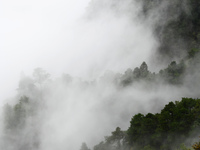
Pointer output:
x,y
84,147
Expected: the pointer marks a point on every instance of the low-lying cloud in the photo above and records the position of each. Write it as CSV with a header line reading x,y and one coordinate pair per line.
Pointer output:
x,y
83,39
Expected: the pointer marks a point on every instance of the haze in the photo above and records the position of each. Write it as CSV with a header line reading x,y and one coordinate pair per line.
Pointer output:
x,y
59,37
89,40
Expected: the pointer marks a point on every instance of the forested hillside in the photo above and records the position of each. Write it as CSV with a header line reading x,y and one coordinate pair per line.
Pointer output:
x,y
177,28
166,130
178,32
163,107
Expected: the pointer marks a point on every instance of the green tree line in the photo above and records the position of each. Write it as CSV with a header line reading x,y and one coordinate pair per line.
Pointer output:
x,y
166,130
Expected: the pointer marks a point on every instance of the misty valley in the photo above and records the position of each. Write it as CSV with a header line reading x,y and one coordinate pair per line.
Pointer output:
x,y
137,90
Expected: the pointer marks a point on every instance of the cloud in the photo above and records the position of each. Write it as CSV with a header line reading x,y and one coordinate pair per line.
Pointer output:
x,y
59,37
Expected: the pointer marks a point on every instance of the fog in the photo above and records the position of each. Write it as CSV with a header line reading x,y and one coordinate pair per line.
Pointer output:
x,y
84,39
59,37
35,34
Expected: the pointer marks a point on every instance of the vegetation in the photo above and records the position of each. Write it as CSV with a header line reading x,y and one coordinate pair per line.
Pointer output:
x,y
196,146
162,131
173,74
177,28
84,147
178,32
16,119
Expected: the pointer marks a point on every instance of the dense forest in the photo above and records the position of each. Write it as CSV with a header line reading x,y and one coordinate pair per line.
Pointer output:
x,y
176,125
165,130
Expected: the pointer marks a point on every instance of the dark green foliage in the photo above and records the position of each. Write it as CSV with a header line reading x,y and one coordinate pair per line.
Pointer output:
x,y
176,120
141,130
183,147
135,130
162,131
148,147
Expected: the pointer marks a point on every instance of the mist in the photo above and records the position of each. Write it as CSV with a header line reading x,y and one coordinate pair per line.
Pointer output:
x,y
60,37
82,46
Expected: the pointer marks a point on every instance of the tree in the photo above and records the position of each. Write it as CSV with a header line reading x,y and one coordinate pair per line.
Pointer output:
x,y
21,112
144,70
8,117
193,52
173,73
84,147
135,131
102,146
161,131
127,78
148,147
117,138
136,73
